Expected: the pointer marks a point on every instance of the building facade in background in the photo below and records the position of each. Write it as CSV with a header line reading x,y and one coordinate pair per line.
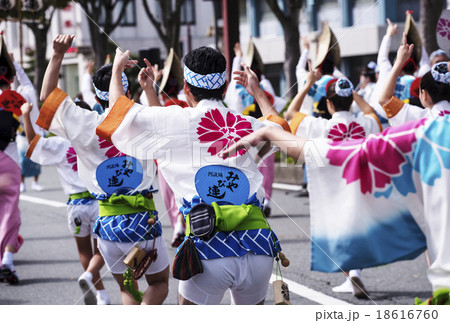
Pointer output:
x,y
359,26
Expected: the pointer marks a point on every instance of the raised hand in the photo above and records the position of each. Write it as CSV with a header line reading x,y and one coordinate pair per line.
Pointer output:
x,y
157,72
62,43
26,108
122,60
391,29
404,51
89,67
248,79
146,76
237,50
305,42
247,142
313,75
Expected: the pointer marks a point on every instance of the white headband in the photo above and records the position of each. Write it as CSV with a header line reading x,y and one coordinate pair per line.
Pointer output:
x,y
210,81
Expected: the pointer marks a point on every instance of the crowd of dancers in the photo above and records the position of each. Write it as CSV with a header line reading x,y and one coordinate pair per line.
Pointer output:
x,y
208,141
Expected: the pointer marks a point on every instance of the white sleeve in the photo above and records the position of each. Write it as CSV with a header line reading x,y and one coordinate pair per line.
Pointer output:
x,y
86,90
143,98
424,64
312,128
407,113
48,151
371,124
383,62
131,126
22,77
26,89
61,116
338,74
307,105
300,69
267,86
236,66
302,61
232,98
308,127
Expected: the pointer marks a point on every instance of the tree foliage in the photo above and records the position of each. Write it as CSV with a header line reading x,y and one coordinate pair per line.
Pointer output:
x,y
168,27
39,23
289,19
103,18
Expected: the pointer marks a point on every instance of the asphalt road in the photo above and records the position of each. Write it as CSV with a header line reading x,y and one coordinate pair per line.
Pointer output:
x,y
48,264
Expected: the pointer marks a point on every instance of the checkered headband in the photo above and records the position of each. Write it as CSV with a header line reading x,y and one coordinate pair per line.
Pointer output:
x,y
104,95
210,81
440,73
344,87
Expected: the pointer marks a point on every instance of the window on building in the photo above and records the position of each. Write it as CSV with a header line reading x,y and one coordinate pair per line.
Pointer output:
x,y
359,2
129,18
187,13
243,11
403,5
327,1
266,12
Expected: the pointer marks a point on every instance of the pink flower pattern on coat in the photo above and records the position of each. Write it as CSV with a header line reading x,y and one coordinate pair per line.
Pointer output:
x,y
340,132
222,132
376,159
112,150
444,113
71,157
443,28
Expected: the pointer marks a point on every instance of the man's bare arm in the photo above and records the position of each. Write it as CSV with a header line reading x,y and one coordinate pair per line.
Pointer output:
x,y
248,79
146,79
29,131
287,142
388,88
61,44
121,62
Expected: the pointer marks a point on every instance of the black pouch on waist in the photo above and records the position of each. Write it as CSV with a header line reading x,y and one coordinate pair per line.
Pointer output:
x,y
202,220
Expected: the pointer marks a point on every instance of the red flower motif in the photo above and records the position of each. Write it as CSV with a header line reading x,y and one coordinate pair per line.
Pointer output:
x,y
71,157
443,28
444,113
221,132
112,150
340,132
376,159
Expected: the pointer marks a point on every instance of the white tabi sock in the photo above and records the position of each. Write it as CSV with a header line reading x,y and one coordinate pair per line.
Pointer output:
x,y
8,259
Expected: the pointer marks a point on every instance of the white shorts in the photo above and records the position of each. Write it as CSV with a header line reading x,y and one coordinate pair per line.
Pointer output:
x,y
83,217
247,278
114,253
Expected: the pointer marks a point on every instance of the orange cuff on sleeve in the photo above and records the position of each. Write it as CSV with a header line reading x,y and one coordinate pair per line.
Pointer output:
x,y
32,146
296,120
393,106
283,123
49,108
115,117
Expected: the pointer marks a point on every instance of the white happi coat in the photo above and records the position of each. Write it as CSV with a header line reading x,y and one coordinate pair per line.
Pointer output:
x,y
59,152
398,184
343,125
185,142
400,112
61,116
102,168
